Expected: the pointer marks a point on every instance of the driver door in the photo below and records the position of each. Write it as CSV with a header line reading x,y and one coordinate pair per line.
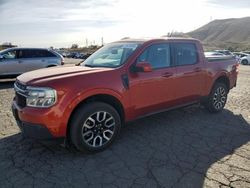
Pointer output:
x,y
153,91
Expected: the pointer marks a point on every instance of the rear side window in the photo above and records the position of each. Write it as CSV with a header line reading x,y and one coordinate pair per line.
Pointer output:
x,y
46,53
35,54
185,54
158,55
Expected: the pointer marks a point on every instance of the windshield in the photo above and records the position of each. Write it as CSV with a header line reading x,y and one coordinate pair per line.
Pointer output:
x,y
111,55
3,51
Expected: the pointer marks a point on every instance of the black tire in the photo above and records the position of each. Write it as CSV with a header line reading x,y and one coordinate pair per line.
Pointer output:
x,y
217,98
244,62
89,126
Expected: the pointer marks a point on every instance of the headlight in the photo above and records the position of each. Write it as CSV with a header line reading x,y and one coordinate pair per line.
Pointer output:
x,y
40,97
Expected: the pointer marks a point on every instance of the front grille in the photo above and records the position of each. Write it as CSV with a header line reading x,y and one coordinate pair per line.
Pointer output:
x,y
20,100
20,86
20,94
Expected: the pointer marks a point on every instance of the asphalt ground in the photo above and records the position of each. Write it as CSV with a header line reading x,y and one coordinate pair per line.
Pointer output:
x,y
187,147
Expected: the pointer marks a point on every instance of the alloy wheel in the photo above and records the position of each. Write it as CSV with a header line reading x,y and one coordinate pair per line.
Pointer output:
x,y
220,97
98,129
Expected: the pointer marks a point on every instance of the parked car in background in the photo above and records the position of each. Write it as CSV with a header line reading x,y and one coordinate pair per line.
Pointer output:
x,y
78,55
225,52
210,54
245,60
120,82
240,54
85,56
246,52
15,61
71,54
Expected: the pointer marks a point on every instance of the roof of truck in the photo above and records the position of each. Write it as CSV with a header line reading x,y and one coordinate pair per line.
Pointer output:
x,y
142,40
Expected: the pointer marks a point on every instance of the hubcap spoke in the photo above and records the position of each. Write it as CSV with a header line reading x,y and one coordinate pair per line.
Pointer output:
x,y
97,140
101,116
109,122
107,134
86,134
89,123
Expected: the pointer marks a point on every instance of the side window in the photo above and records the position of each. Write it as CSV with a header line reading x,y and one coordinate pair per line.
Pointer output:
x,y
158,55
35,53
185,54
26,54
44,53
9,54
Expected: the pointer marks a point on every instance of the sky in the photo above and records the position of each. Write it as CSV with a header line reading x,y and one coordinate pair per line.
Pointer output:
x,y
61,23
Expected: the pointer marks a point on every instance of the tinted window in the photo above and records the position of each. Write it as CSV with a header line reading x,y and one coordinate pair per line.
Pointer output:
x,y
46,53
185,54
35,53
158,55
9,54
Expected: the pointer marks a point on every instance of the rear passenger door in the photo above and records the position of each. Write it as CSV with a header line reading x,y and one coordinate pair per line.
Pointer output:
x,y
48,58
32,59
190,72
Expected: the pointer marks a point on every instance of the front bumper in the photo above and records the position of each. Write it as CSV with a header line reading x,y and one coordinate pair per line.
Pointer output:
x,y
30,130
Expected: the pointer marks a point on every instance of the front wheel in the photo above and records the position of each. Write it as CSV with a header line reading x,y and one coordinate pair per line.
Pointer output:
x,y
94,126
217,98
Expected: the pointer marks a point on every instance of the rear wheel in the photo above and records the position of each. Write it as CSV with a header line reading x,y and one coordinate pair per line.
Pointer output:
x,y
217,98
94,126
244,62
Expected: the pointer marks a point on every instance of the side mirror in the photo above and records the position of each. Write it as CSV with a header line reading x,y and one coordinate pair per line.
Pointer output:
x,y
1,57
142,67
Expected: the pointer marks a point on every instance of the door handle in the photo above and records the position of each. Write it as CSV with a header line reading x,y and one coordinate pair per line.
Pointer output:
x,y
167,74
20,61
198,69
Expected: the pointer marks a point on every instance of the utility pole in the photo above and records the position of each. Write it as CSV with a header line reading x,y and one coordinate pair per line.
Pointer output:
x,y
86,42
102,41
211,18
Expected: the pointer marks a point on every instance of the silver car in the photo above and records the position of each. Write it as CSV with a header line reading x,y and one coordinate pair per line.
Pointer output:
x,y
15,61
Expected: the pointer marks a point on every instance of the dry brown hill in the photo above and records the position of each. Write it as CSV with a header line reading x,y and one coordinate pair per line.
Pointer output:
x,y
229,33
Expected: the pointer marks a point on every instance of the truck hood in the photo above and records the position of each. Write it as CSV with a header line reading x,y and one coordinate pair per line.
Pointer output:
x,y
49,74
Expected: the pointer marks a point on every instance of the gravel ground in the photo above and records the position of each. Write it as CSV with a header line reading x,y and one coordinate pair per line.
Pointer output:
x,y
188,147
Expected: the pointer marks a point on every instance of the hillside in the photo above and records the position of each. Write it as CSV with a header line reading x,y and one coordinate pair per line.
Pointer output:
x,y
229,33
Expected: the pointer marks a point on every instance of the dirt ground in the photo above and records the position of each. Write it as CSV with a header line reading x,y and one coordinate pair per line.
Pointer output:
x,y
187,147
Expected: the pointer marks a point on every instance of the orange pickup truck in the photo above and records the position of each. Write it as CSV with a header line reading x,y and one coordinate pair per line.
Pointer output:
x,y
122,81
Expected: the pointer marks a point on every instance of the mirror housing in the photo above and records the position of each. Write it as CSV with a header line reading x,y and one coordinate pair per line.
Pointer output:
x,y
142,67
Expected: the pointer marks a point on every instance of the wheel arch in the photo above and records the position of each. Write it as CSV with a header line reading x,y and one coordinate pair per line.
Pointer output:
x,y
106,98
223,79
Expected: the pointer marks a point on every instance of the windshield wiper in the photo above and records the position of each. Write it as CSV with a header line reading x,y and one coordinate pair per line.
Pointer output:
x,y
87,65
